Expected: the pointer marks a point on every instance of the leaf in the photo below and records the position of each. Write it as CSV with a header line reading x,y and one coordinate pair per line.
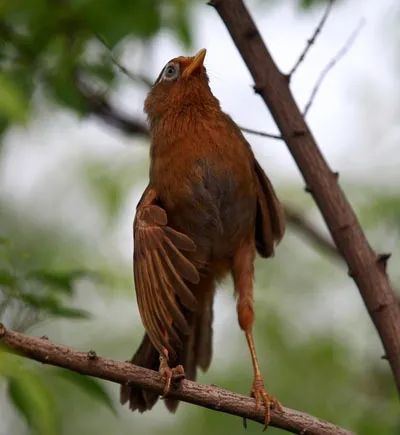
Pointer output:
x,y
62,280
307,4
52,305
70,312
90,386
7,279
32,399
181,22
13,105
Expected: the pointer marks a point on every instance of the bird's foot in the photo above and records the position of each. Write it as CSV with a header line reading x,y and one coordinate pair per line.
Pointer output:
x,y
262,396
170,375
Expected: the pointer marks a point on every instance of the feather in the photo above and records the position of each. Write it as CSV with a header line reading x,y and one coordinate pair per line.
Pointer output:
x,y
270,219
161,270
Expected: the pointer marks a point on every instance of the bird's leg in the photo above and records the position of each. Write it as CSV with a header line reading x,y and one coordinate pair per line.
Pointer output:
x,y
242,271
258,390
175,374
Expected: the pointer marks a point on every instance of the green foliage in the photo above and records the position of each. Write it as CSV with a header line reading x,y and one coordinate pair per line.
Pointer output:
x,y
307,4
89,386
30,395
48,43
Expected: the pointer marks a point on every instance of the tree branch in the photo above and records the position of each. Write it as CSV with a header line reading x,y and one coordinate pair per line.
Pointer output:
x,y
207,396
331,64
365,266
133,76
99,106
297,221
261,133
310,42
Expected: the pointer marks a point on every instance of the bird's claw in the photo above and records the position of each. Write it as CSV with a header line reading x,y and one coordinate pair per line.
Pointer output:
x,y
262,396
171,375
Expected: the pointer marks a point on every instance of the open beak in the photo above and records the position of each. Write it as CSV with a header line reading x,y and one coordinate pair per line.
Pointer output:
x,y
196,63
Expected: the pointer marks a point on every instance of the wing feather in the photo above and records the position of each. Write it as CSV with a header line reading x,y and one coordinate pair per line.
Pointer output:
x,y
270,218
162,271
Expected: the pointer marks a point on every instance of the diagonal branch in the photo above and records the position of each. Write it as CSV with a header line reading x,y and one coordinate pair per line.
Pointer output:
x,y
100,107
367,268
207,396
310,42
307,229
133,76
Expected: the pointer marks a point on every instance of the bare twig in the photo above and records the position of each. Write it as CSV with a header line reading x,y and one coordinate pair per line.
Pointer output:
x,y
332,63
133,76
207,396
311,41
261,133
367,268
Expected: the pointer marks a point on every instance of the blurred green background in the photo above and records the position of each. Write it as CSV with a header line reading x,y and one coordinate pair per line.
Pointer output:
x,y
69,183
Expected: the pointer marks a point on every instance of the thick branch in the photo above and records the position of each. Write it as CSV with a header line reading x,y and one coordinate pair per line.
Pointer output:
x,y
365,266
207,396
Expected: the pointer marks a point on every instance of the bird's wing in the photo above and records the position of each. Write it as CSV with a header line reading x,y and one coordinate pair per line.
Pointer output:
x,y
270,218
161,271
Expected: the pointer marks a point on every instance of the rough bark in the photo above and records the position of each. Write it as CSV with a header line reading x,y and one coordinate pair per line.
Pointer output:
x,y
207,396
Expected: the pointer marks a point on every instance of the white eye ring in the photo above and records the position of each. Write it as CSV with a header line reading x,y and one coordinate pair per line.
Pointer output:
x,y
171,71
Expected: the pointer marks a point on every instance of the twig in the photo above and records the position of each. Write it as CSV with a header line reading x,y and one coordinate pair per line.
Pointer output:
x,y
367,268
99,106
133,76
311,41
207,396
137,77
261,133
332,63
297,221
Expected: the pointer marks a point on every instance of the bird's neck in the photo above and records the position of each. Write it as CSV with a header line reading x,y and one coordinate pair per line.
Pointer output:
x,y
179,122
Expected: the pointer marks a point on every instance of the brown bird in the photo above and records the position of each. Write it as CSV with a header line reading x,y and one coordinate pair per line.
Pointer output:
x,y
206,211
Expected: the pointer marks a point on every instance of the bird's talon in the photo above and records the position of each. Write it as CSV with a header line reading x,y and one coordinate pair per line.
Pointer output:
x,y
259,393
171,376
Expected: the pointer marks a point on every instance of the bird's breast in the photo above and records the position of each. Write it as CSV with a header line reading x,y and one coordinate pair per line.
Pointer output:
x,y
208,195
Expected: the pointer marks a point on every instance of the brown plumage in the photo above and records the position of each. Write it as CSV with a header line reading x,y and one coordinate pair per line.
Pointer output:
x,y
207,209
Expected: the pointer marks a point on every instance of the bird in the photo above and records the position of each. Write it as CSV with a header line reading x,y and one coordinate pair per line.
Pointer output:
x,y
207,209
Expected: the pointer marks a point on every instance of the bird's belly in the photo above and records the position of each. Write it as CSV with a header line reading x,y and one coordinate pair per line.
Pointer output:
x,y
217,210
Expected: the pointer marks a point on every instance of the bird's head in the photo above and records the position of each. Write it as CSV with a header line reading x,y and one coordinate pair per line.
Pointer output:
x,y
182,83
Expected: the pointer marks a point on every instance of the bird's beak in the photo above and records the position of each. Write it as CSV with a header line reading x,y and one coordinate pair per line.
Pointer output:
x,y
195,64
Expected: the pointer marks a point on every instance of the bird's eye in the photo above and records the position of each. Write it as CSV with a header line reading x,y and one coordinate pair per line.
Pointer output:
x,y
171,72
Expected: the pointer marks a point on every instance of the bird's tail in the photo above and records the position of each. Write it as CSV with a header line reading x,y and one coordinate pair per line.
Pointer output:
x,y
195,352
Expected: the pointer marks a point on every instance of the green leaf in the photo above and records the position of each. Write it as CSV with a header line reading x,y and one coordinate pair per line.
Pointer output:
x,y
61,280
70,312
32,399
90,386
7,279
51,305
181,23
13,105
